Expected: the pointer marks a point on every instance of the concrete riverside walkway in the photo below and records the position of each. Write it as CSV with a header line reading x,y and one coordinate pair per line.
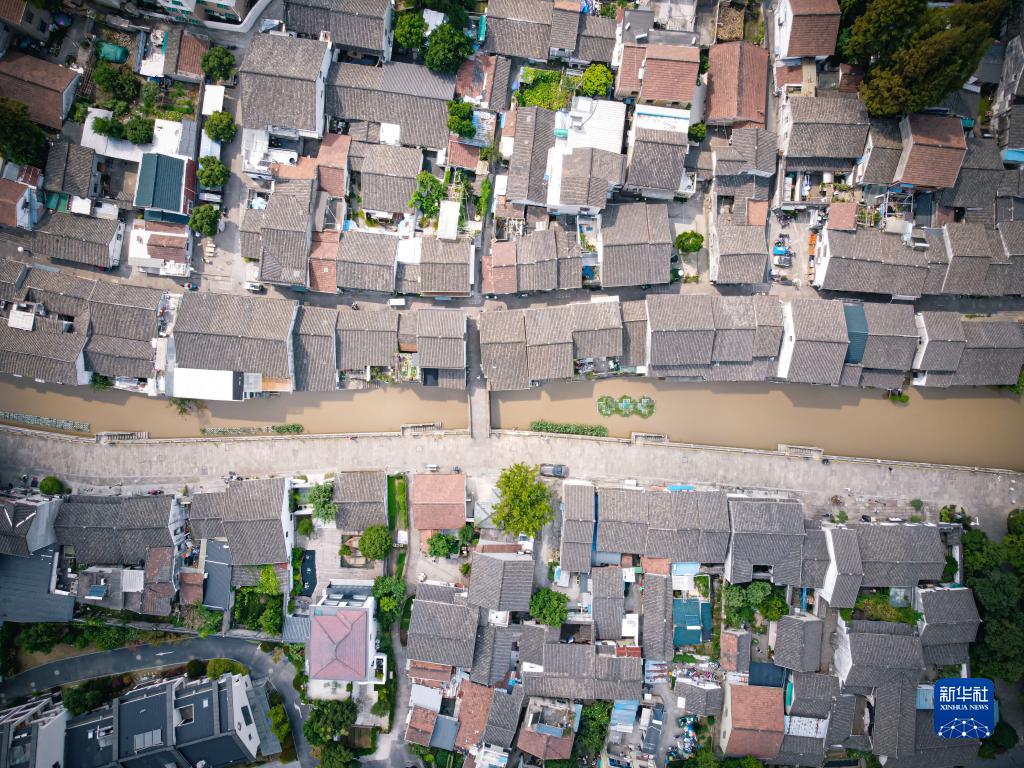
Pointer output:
x,y
987,494
132,659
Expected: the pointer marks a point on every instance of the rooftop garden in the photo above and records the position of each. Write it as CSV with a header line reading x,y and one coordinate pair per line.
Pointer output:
x,y
134,105
548,88
878,606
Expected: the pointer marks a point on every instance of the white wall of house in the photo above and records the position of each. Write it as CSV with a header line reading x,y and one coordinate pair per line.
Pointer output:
x,y
784,22
788,341
114,248
246,733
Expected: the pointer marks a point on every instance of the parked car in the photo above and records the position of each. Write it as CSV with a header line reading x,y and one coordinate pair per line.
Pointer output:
x,y
554,470
191,286
255,287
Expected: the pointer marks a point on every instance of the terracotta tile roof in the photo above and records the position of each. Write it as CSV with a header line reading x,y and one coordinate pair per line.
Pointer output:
x,y
935,152
850,77
475,77
462,155
427,672
629,70
190,53
332,161
38,84
305,168
337,646
842,216
190,587
661,566
670,73
545,747
629,652
421,726
12,10
814,29
785,75
499,269
757,721
323,262
473,710
10,194
738,84
438,502
757,212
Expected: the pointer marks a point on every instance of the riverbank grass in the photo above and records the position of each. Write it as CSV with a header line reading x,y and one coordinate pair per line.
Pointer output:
x,y
558,428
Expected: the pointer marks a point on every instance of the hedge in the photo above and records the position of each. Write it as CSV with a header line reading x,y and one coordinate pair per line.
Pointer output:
x,y
591,430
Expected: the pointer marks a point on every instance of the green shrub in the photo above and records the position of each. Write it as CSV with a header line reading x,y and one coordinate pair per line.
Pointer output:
x,y
139,130
90,695
460,119
917,504
591,430
375,542
442,545
697,132
304,526
217,667
40,638
689,242
288,429
597,79
51,486
195,669
100,383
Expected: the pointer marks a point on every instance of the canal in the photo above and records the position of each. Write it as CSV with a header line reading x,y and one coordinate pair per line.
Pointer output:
x,y
972,427
373,410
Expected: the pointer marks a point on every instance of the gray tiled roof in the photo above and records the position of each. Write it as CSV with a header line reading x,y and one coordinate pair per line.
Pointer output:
x,y
248,515
798,643
315,348
767,533
588,175
71,237
597,39
409,95
893,731
440,633
946,341
69,169
994,353
501,581
220,332
887,146
362,499
503,349
446,266
623,520
532,641
742,253
872,261
821,342
278,80
979,177
698,700
657,629
636,245
688,526
682,329
285,230
900,555
48,352
849,571
366,261
534,136
441,338
27,596
113,530
609,602
492,657
879,657
358,25
892,337
827,127
367,338
124,311
577,527
657,161
950,616
575,671
814,694
800,750
815,559
388,177
503,716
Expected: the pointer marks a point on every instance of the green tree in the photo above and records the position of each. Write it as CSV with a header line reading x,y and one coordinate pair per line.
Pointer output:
x,y
428,195
212,172
775,606
981,554
466,534
689,242
1015,521
389,592
597,79
884,28
118,82
410,31
697,132
460,118
593,731
1003,738
99,383
268,583
51,486
108,126
375,543
195,669
1001,650
271,621
442,545
524,502
447,48
217,667
40,638
220,126
204,220
304,526
757,592
217,63
549,607
321,498
139,130
21,140
279,722
329,719
88,696
1013,549
335,756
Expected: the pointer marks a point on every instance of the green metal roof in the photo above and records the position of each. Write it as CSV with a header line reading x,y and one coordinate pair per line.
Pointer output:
x,y
160,181
857,330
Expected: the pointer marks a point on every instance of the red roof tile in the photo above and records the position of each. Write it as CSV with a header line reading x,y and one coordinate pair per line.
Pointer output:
x,y
475,705
935,152
757,721
475,77
190,53
421,726
661,566
814,29
757,212
37,84
337,646
12,10
545,747
438,502
499,269
323,262
738,84
10,195
629,70
190,587
842,216
785,75
670,73
462,155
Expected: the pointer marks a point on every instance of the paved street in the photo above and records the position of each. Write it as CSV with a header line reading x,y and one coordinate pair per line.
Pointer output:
x,y
988,494
169,655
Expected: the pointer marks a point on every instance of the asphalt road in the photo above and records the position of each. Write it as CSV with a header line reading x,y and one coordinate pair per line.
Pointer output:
x,y
123,660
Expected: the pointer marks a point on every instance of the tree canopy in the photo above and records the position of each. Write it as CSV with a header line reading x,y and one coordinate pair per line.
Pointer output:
x,y
118,82
447,48
218,63
524,503
51,486
335,755
21,140
220,126
689,242
212,172
389,592
460,118
139,130
549,607
204,220
917,55
442,545
428,195
597,79
375,543
329,719
321,498
410,31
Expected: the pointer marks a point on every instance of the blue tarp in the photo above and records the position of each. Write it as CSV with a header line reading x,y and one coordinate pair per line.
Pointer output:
x,y
692,621
624,712
677,488
682,569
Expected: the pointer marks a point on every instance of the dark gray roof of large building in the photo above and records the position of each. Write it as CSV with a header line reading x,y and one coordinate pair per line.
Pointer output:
x,y
501,581
798,642
820,344
829,128
534,136
607,588
950,617
577,671
113,530
443,633
814,694
492,657
79,239
315,350
27,596
657,631
277,79
69,169
354,25
636,245
900,555
503,716
362,499
248,515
